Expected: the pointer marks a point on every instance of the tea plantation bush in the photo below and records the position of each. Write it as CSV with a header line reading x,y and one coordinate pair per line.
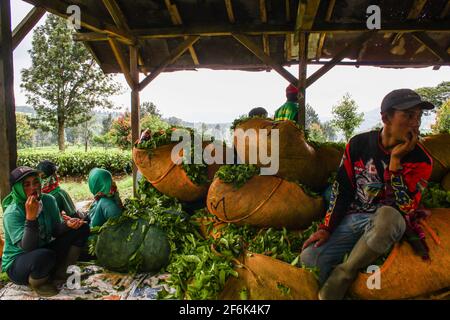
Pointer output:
x,y
79,163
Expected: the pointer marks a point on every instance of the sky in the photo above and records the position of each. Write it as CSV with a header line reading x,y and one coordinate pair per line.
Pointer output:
x,y
222,96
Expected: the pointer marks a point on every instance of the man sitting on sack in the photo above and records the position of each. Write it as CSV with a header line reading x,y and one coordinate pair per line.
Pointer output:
x,y
375,198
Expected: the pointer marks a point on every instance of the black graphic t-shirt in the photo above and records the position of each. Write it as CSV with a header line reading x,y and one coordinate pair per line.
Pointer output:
x,y
364,182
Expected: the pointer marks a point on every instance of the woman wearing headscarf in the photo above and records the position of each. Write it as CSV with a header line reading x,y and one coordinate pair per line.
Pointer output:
x,y
107,203
50,185
39,246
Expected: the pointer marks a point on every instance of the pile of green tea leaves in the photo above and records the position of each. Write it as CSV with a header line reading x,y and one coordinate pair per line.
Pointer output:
x,y
435,197
237,174
199,266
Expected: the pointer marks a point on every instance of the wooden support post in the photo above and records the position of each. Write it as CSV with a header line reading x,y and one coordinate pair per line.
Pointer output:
x,y
302,65
135,107
8,143
25,26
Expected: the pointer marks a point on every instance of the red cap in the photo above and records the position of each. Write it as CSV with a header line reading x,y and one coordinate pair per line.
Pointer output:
x,y
291,89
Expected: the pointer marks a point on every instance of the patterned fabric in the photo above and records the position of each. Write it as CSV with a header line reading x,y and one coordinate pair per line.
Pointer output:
x,y
50,183
364,183
287,111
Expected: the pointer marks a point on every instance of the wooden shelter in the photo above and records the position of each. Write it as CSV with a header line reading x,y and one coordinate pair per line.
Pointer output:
x,y
148,37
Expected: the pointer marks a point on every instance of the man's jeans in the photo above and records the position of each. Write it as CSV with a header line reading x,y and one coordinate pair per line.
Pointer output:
x,y
380,230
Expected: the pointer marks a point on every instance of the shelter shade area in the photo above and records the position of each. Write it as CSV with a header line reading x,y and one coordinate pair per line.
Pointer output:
x,y
142,38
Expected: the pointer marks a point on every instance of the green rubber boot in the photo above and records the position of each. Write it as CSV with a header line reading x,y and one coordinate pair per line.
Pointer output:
x,y
43,287
344,274
71,259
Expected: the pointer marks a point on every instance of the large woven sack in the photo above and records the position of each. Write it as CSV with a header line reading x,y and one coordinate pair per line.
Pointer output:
x,y
264,201
438,146
266,278
168,177
298,161
117,244
445,183
404,274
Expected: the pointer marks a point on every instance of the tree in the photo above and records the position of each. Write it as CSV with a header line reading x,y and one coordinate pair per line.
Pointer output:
x,y
442,124
436,95
345,116
149,108
88,127
24,131
316,133
107,123
311,116
329,131
63,83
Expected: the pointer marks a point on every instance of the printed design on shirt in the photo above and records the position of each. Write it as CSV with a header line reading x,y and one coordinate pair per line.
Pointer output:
x,y
404,202
333,198
368,185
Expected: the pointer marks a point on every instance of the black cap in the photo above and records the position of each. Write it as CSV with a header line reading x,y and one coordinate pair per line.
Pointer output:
x,y
47,167
20,173
403,99
261,112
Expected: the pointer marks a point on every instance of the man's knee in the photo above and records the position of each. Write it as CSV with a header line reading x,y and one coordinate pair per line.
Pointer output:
x,y
390,221
43,262
308,257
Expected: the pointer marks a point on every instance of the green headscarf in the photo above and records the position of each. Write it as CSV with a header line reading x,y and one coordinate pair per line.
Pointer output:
x,y
100,182
17,195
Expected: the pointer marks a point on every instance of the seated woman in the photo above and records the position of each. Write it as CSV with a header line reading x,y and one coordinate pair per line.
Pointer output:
x,y
50,185
31,220
107,203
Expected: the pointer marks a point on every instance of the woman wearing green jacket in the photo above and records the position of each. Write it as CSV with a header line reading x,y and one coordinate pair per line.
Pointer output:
x,y
107,203
39,245
50,185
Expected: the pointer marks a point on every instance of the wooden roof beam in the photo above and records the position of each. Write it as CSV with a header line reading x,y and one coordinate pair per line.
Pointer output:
x,y
121,21
266,44
90,36
323,34
178,52
416,9
258,52
310,14
439,52
331,28
117,15
288,10
124,66
230,13
413,14
359,42
87,21
263,11
446,10
176,20
25,26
